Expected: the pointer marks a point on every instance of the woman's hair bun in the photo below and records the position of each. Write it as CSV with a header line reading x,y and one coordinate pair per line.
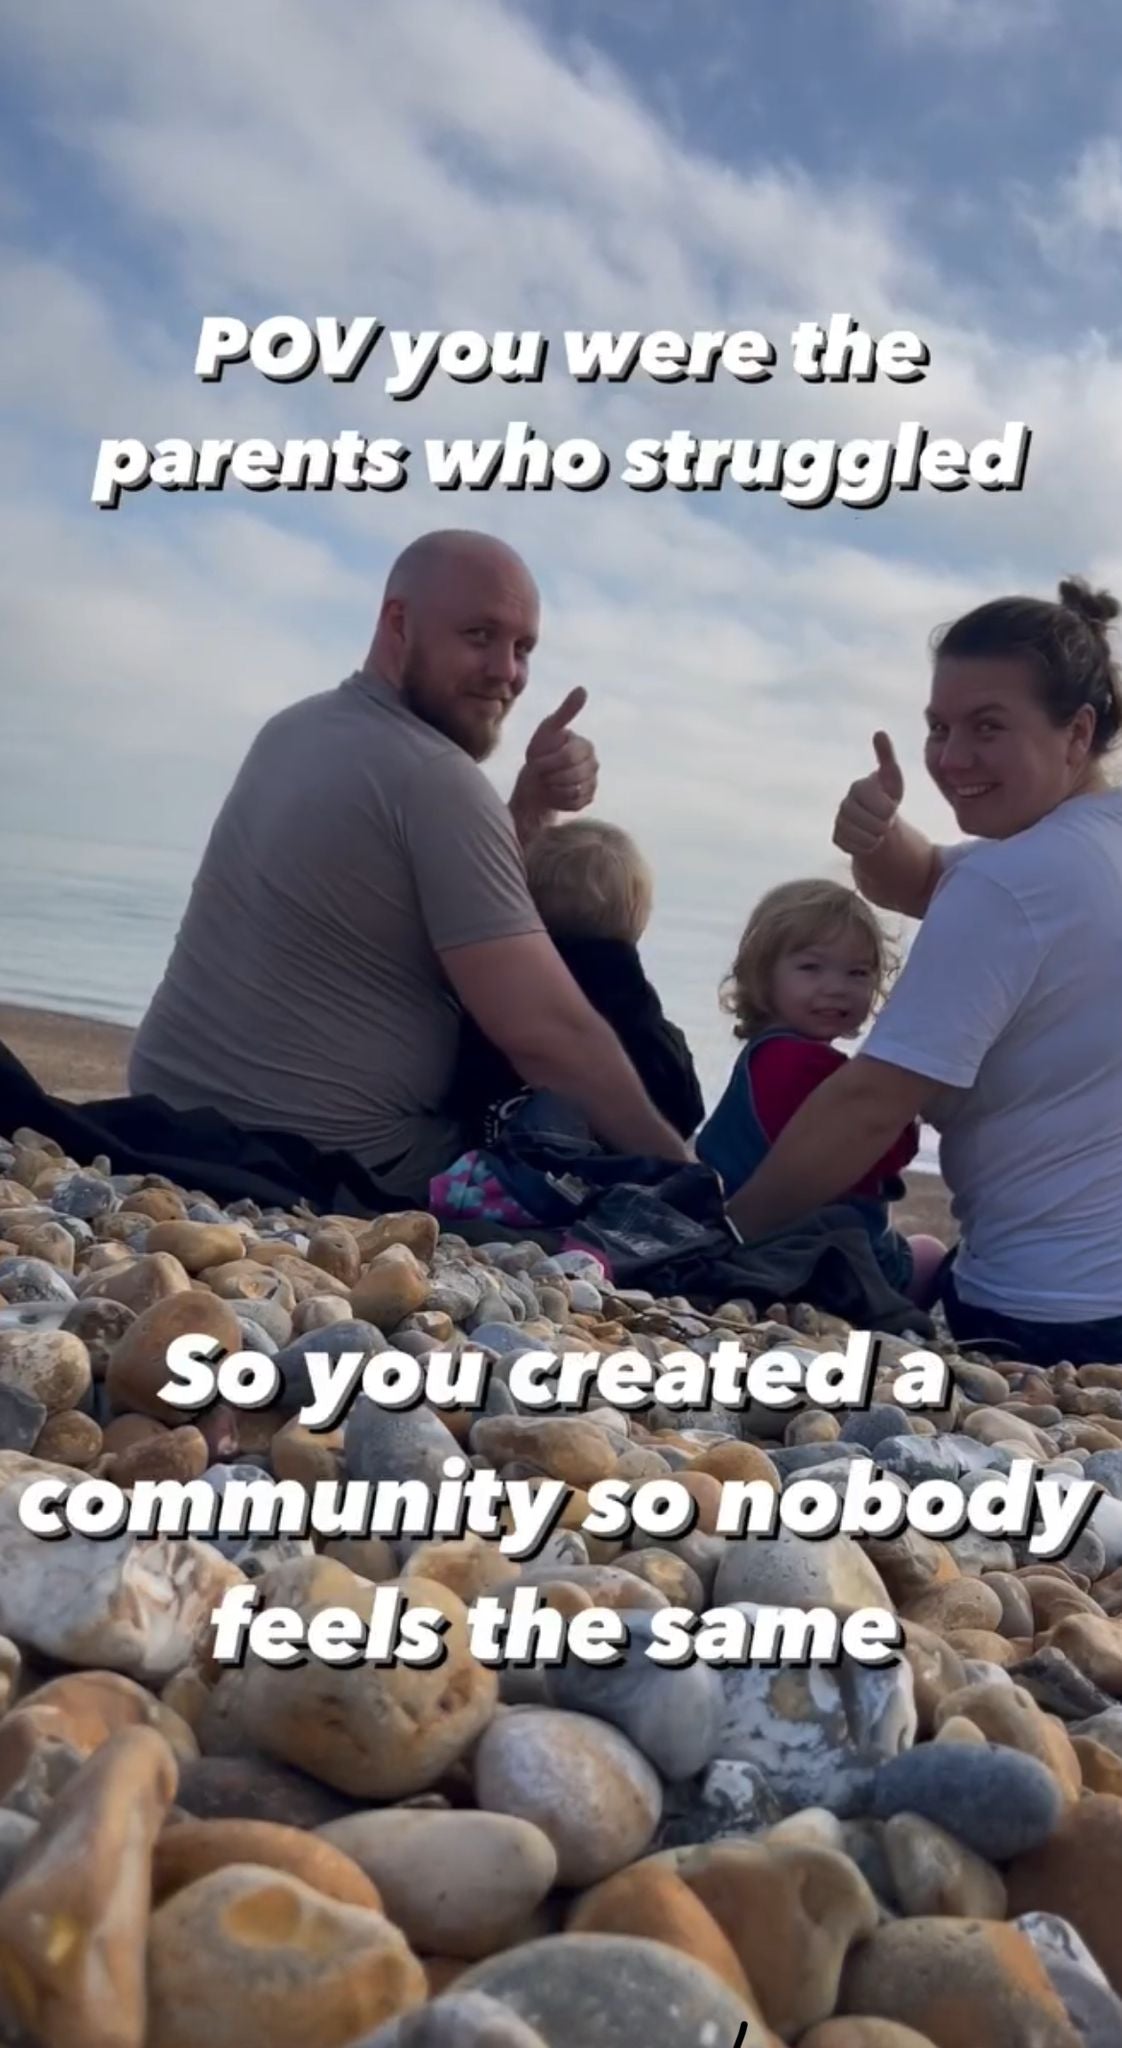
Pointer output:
x,y
1098,607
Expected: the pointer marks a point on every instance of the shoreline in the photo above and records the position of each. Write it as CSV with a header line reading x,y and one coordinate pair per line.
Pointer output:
x,y
84,1059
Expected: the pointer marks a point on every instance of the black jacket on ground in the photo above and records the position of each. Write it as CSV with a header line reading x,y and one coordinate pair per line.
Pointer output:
x,y
610,973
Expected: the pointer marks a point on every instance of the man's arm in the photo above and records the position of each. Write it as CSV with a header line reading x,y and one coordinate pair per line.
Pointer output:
x,y
522,996
840,1132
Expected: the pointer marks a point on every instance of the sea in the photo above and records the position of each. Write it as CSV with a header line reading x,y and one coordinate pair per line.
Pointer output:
x,y
86,926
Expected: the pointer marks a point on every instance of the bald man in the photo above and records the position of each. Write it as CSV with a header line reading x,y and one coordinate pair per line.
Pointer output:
x,y
364,880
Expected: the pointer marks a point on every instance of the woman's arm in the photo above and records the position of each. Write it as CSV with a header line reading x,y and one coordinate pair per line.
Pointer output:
x,y
830,1143
902,873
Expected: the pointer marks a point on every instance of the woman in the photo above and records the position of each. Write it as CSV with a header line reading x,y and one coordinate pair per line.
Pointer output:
x,y
1004,1029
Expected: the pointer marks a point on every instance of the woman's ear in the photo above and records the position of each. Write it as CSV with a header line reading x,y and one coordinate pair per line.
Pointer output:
x,y
1082,734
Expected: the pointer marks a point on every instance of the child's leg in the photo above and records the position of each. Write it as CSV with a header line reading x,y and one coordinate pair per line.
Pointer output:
x,y
928,1254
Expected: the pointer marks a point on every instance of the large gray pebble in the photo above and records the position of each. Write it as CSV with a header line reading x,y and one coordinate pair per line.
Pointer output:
x,y
872,1426
33,1280
330,1342
269,1316
1000,1803
461,2019
381,1444
604,1990
1094,2010
21,1419
84,1195
672,1716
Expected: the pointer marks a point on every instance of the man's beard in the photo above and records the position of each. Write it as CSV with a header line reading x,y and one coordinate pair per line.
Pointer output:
x,y
426,703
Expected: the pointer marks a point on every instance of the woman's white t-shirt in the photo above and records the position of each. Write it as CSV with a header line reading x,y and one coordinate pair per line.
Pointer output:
x,y
1013,990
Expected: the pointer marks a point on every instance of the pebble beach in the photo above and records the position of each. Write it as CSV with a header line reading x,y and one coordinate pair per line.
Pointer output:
x,y
926,1854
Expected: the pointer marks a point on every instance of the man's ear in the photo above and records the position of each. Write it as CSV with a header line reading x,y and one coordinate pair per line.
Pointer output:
x,y
394,622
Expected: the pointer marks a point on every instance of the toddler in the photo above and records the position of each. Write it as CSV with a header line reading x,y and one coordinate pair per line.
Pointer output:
x,y
594,892
810,966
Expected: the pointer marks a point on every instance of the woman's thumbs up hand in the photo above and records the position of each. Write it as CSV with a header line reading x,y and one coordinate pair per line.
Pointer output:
x,y
868,810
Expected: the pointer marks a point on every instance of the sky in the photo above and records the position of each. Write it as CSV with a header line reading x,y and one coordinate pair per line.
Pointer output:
x,y
952,167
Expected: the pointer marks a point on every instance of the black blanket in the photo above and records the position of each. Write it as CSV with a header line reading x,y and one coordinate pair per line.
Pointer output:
x,y
666,1233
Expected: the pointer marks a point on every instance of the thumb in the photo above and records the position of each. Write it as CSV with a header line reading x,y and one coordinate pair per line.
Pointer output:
x,y
888,767
565,713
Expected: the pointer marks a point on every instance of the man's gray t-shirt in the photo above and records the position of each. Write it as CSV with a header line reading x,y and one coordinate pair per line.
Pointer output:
x,y
304,992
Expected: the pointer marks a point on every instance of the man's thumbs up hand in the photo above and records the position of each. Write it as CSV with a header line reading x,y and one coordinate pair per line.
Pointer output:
x,y
868,811
560,771
553,734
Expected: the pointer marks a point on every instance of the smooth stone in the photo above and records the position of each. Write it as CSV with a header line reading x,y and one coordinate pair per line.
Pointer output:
x,y
11,1671
194,1848
376,1732
600,1990
579,1780
131,1604
818,1733
997,1801
650,1901
391,1287
1105,1468
961,1603
787,1571
54,1729
414,1228
268,1316
1104,1727
933,1873
789,1459
916,1458
1093,2008
672,1716
138,1368
974,1553
875,1425
196,1245
33,1280
1059,1686
1008,1715
21,1419
256,1788
330,1342
864,2033
458,2019
84,1195
961,1982
100,1324
457,1884
252,1953
381,1444
74,1914
1077,1875
17,1830
731,1797
792,1911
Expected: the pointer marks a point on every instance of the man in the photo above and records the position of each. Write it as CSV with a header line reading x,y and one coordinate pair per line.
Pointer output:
x,y
364,879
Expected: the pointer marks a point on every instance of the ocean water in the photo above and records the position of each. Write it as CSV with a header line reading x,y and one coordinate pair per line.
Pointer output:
x,y
86,926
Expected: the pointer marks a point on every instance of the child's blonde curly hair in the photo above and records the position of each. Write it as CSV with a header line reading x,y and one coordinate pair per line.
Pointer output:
x,y
788,919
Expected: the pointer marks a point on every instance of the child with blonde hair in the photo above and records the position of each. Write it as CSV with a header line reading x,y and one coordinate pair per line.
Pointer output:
x,y
811,966
594,891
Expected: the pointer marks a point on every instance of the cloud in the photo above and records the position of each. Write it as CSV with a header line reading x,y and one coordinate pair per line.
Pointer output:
x,y
965,26
446,164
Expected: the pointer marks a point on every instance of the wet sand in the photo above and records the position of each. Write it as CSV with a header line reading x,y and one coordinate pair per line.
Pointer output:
x,y
79,1058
